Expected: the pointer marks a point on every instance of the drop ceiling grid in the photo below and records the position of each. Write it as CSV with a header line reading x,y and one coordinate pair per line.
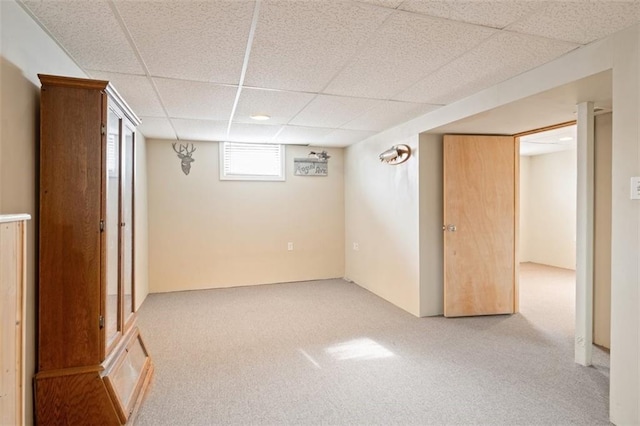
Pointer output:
x,y
580,22
202,41
196,99
280,105
87,33
405,50
300,46
497,59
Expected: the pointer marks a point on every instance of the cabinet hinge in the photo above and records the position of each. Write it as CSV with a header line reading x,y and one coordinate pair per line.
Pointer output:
x,y
101,321
102,226
103,129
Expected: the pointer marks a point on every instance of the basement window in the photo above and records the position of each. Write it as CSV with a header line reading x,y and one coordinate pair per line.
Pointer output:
x,y
252,161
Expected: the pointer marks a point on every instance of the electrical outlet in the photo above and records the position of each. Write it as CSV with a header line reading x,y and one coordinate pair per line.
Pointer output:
x,y
290,246
356,246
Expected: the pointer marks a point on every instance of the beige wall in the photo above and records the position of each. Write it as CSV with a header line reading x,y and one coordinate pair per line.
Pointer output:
x,y
523,237
207,233
26,51
548,215
602,233
625,230
381,212
141,260
430,224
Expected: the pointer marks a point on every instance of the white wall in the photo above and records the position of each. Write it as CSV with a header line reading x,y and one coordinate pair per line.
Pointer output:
x,y
619,53
26,50
548,231
207,233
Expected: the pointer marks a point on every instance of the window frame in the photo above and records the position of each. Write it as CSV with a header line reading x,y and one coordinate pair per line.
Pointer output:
x,y
252,177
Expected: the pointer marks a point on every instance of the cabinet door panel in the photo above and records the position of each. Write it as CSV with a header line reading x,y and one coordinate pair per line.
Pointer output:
x,y
127,223
112,326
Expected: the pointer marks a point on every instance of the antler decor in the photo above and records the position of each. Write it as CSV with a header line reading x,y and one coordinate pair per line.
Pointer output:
x,y
184,154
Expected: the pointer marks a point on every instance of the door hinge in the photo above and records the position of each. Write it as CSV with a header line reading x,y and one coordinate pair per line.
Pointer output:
x,y
101,321
103,129
102,226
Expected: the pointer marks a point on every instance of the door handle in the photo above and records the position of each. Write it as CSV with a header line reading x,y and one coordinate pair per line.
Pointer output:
x,y
449,228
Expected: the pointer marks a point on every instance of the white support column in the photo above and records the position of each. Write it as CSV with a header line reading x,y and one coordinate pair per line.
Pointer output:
x,y
584,235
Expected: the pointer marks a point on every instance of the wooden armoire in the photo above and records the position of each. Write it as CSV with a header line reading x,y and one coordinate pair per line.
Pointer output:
x,y
93,366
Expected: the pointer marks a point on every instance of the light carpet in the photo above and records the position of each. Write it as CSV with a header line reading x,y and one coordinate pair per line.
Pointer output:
x,y
330,352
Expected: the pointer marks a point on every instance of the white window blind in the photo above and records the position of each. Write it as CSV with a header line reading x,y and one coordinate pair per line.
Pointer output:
x,y
251,161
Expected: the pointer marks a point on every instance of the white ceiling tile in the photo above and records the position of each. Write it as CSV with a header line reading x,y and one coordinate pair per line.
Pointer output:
x,y
136,90
200,130
156,127
491,13
195,99
388,114
343,137
281,106
193,40
501,57
301,45
302,135
242,132
580,21
406,49
333,111
90,32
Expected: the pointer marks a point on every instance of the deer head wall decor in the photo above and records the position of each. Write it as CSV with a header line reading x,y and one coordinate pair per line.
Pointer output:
x,y
184,154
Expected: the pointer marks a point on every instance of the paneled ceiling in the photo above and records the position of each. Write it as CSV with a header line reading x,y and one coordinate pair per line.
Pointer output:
x,y
327,72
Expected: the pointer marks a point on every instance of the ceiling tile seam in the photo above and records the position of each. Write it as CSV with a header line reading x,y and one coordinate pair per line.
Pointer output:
x,y
447,20
543,6
345,65
46,30
134,47
575,43
277,134
358,49
342,126
185,80
466,52
245,62
379,6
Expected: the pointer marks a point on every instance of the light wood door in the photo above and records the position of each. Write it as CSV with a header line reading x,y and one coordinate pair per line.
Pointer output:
x,y
481,176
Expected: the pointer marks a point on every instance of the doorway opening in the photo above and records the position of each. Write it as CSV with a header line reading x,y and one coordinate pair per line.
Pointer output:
x,y
547,231
547,240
